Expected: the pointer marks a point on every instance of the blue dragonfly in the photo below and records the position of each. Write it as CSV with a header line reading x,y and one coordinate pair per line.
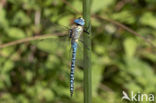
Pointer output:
x,y
74,35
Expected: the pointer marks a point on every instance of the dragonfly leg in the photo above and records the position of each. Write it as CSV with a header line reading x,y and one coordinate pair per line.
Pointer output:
x,y
86,31
84,44
70,33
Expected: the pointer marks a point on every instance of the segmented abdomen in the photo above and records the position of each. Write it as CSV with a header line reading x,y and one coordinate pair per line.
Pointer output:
x,y
74,48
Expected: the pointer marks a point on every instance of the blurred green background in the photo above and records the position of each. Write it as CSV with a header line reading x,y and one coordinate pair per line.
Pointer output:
x,y
38,71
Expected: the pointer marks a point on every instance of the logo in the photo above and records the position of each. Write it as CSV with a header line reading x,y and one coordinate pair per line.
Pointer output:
x,y
138,97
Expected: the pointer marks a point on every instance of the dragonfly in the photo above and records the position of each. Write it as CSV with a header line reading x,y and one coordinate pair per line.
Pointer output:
x,y
74,34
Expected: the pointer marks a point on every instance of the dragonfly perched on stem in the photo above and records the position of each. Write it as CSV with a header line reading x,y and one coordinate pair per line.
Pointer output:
x,y
75,33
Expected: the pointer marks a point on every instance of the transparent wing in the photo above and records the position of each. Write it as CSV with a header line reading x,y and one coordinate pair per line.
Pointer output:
x,y
60,32
79,61
67,44
59,45
49,26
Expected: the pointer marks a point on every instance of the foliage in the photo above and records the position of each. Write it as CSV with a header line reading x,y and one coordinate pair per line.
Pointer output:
x,y
38,72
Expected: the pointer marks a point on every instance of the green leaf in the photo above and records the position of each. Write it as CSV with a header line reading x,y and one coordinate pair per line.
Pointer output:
x,y
78,5
21,19
22,99
100,4
3,21
65,20
124,16
8,65
148,19
130,47
16,33
47,45
47,94
29,75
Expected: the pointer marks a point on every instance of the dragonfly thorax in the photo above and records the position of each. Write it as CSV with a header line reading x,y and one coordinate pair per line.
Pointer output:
x,y
76,32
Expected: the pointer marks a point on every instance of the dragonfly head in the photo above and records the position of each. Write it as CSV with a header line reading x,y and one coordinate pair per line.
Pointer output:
x,y
79,21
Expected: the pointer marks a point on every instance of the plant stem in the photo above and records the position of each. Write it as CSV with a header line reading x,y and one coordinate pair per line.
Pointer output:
x,y
28,39
87,53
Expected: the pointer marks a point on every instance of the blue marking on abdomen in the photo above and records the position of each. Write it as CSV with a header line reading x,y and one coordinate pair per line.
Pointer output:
x,y
74,48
